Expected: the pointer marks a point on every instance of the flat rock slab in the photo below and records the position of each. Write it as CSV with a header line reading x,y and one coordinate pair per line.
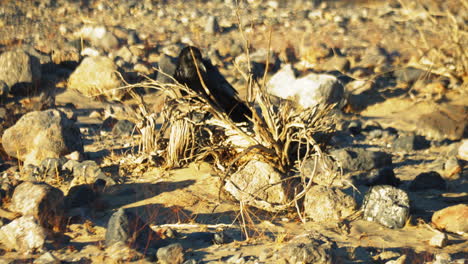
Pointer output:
x,y
432,120
452,219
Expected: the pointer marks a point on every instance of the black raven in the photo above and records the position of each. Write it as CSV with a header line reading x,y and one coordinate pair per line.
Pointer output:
x,y
190,63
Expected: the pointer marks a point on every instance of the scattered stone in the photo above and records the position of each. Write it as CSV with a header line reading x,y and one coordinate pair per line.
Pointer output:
x,y
47,258
258,181
167,66
452,168
410,75
236,259
143,69
42,134
307,91
212,25
125,226
443,258
125,54
439,240
220,238
4,89
400,260
428,180
307,251
410,143
354,127
172,254
258,62
382,176
446,122
386,205
96,76
52,167
323,204
23,234
374,57
68,56
463,150
123,128
326,173
40,200
358,159
452,219
336,63
20,71
121,253
81,196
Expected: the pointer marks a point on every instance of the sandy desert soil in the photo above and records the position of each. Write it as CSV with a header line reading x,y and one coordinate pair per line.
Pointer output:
x,y
189,199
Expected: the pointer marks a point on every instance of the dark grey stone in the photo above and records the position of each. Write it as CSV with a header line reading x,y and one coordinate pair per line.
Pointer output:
x,y
52,167
428,180
386,205
310,252
382,176
410,74
354,127
410,142
128,227
167,66
20,71
123,128
172,254
80,195
357,159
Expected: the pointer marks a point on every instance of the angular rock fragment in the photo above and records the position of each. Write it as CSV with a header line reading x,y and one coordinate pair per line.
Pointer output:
x,y
307,91
40,200
323,204
306,250
20,71
382,176
24,234
410,142
386,205
123,128
358,159
167,66
172,254
125,226
439,240
42,134
258,182
96,76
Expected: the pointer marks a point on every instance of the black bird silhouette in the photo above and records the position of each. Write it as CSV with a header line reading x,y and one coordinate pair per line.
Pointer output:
x,y
190,63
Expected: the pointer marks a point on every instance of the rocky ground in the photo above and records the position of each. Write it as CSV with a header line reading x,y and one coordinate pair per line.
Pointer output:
x,y
79,185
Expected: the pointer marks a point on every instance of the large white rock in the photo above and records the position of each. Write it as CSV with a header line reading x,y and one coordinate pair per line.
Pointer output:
x,y
307,91
97,76
23,235
42,134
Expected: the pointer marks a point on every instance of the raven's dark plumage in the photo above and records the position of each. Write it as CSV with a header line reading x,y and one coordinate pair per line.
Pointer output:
x,y
219,90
